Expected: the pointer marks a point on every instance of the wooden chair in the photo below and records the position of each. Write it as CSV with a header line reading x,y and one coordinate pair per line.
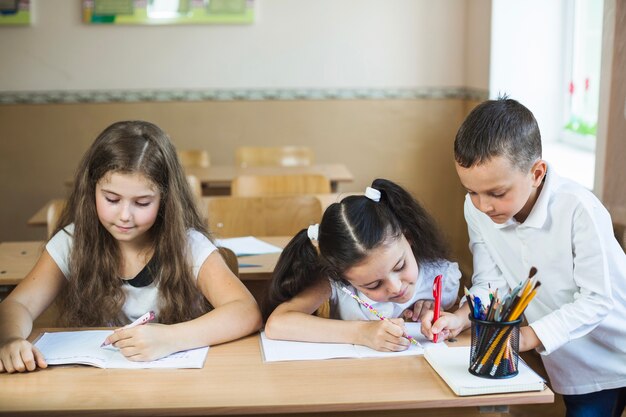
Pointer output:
x,y
262,216
250,156
196,186
230,258
53,214
266,185
194,158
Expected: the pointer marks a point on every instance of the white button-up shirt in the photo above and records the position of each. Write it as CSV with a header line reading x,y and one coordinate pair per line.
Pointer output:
x,y
579,313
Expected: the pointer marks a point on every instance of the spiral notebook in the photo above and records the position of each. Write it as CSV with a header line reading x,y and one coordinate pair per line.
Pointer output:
x,y
451,364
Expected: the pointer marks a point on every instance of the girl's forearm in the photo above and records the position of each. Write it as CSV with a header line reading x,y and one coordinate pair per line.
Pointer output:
x,y
15,321
299,326
228,322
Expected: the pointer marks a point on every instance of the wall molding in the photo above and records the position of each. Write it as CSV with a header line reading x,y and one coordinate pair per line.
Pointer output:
x,y
136,96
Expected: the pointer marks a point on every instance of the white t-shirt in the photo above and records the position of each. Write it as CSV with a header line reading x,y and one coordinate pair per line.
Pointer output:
x,y
344,307
140,299
579,313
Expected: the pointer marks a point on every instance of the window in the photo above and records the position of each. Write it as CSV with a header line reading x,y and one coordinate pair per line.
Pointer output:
x,y
582,64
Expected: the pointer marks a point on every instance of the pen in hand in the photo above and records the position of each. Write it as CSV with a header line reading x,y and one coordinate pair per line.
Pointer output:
x,y
376,313
437,297
149,316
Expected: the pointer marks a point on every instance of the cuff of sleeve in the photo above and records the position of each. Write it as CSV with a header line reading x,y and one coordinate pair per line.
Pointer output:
x,y
551,334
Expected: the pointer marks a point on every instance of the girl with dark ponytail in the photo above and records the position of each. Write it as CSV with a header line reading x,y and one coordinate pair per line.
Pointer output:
x,y
382,246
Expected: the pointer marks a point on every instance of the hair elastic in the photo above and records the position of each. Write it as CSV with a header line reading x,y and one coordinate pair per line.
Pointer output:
x,y
373,194
313,231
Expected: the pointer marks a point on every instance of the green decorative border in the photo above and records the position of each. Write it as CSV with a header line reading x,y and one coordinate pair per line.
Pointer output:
x,y
137,96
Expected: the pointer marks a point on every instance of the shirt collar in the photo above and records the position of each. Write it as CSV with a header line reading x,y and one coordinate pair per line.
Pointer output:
x,y
539,213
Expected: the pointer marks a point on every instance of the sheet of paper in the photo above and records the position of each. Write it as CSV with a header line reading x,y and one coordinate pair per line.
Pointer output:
x,y
83,347
248,245
283,350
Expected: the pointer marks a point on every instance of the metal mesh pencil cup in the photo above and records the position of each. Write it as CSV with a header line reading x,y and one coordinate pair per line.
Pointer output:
x,y
494,351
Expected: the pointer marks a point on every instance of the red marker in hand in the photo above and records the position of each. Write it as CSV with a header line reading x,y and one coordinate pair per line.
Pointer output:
x,y
437,297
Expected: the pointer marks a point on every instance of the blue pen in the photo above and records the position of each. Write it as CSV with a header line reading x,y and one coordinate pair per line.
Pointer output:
x,y
477,307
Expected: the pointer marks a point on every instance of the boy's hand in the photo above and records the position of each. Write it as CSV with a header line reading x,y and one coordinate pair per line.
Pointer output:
x,y
386,335
19,355
147,342
417,311
528,339
449,325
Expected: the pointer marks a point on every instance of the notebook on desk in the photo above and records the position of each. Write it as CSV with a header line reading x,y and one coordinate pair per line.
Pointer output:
x,y
83,348
452,366
248,245
285,350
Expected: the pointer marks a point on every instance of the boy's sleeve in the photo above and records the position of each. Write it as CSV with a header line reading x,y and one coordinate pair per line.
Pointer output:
x,y
486,271
593,301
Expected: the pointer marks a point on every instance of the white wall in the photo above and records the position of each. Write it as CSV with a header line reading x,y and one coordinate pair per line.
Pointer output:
x,y
477,44
527,58
292,44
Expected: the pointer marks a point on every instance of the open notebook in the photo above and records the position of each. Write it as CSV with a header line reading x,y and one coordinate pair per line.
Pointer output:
x,y
284,350
83,347
452,364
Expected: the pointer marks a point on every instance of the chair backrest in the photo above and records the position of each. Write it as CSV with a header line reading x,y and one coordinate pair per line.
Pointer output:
x,y
194,158
230,258
266,185
262,216
53,214
195,185
251,156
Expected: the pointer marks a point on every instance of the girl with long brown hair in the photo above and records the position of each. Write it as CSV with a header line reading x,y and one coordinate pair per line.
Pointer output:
x,y
129,241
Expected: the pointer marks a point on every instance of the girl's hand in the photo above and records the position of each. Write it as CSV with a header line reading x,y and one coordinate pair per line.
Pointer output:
x,y
417,311
19,355
146,342
449,325
386,335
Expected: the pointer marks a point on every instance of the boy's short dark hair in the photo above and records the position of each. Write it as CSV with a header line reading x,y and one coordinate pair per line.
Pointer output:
x,y
501,127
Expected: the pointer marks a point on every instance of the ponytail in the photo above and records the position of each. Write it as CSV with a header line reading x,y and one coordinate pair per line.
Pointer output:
x,y
297,268
419,227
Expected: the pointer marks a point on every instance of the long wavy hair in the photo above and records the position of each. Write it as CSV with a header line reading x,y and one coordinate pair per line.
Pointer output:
x,y
348,232
93,295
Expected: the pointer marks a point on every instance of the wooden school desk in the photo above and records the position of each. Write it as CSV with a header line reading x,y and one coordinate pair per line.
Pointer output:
x,y
216,179
236,381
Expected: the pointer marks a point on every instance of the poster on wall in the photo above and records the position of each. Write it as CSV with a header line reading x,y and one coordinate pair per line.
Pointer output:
x,y
167,12
14,12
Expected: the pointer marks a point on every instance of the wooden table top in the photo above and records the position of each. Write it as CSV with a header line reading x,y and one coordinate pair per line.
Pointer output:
x,y
222,175
235,380
18,258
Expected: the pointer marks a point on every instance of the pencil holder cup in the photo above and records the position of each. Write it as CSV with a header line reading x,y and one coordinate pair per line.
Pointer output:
x,y
494,351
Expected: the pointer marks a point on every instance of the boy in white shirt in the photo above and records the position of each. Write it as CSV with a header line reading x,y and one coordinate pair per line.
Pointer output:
x,y
520,214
